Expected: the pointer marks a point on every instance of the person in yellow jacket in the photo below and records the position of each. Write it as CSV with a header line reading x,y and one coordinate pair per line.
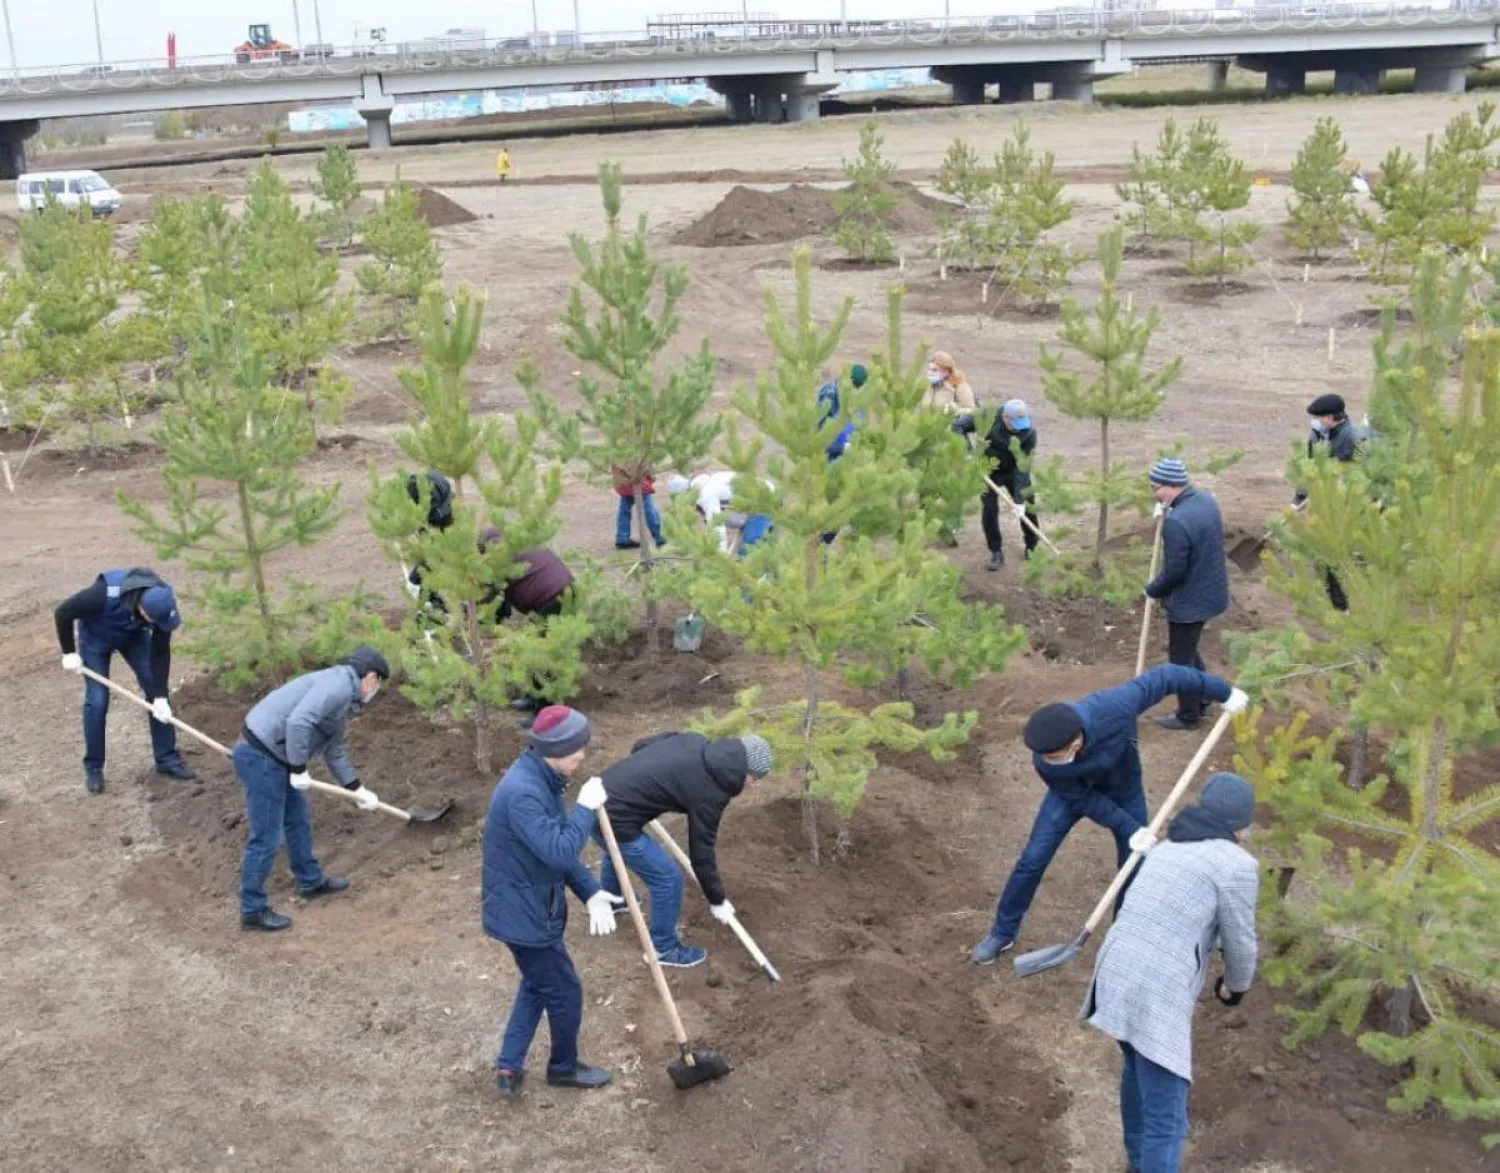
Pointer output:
x,y
502,165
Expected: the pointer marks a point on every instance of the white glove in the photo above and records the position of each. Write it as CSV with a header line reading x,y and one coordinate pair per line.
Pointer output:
x,y
1159,511
301,781
1142,841
591,794
73,662
1019,509
161,709
722,912
413,589
601,906
1238,701
366,799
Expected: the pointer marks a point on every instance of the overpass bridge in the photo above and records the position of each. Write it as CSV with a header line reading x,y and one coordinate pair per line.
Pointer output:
x,y
777,70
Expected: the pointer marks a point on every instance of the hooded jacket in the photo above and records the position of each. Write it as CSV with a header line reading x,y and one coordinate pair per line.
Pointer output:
x,y
1001,447
308,717
107,612
1194,580
1111,757
678,773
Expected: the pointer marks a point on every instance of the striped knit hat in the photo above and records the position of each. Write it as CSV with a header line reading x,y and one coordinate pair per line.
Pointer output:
x,y
1169,471
559,731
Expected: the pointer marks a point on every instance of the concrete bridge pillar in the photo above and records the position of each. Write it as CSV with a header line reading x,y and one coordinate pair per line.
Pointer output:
x,y
13,136
968,91
374,105
1286,78
1073,91
1356,79
802,106
1440,79
768,106
1218,75
1017,89
737,104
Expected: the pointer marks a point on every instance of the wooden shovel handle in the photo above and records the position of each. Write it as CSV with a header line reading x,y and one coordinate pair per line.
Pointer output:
x,y
1140,654
628,891
1025,521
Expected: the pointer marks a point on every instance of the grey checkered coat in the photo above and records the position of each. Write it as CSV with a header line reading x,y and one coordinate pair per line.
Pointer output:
x,y
1187,898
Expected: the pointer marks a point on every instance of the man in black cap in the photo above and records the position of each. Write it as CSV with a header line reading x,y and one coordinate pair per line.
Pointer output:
x,y
1331,426
1086,753
303,719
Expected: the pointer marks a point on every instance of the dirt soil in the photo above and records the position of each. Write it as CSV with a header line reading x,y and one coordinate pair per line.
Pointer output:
x,y
144,1032
439,211
749,215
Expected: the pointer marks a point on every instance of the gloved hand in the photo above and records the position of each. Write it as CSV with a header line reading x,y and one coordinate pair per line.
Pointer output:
x,y
300,780
1238,701
1019,509
1226,995
366,799
1143,840
601,906
723,912
1159,511
413,589
73,662
591,794
161,709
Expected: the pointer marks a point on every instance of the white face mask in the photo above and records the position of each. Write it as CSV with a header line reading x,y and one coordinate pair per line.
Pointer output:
x,y
1320,427
1067,761
372,694
934,377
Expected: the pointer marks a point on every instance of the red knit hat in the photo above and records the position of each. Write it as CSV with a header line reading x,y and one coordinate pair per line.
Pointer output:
x,y
559,731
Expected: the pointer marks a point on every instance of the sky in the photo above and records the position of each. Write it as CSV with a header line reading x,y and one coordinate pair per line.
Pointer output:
x,y
61,32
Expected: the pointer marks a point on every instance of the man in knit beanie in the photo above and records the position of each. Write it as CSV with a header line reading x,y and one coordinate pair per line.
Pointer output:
x,y
678,773
1193,584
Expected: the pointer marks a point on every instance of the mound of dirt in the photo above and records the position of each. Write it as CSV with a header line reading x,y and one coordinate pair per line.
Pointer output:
x,y
439,211
748,215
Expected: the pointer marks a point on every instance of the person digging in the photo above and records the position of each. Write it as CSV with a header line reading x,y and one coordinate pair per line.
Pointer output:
x,y
1010,444
1330,425
1193,893
530,849
133,612
305,718
1087,754
543,586
686,774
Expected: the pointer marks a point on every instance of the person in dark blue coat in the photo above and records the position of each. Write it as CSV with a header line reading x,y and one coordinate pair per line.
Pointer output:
x,y
1194,581
531,846
133,612
830,409
1087,754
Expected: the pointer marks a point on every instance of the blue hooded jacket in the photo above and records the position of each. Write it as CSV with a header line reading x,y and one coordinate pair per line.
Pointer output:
x,y
531,847
1111,757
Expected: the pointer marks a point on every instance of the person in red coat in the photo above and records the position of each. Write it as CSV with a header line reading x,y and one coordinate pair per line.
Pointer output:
x,y
625,489
543,587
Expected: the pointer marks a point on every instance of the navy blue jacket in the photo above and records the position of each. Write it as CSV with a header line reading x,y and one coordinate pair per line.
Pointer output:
x,y
531,847
1110,758
106,613
1194,580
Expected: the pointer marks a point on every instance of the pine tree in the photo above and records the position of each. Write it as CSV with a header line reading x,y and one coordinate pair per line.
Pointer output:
x,y
965,241
1155,188
864,207
1027,203
337,185
406,258
1322,208
859,607
1401,884
175,249
1115,340
1224,187
472,664
1205,172
633,424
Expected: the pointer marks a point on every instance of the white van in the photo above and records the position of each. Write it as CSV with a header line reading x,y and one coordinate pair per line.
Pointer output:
x,y
72,189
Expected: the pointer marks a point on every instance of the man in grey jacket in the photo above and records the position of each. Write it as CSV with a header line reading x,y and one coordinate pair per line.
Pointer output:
x,y
303,719
1194,581
1195,890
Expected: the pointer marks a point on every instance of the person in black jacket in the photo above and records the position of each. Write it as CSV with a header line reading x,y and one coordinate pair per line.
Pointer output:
x,y
439,517
1331,426
1193,584
681,773
1010,444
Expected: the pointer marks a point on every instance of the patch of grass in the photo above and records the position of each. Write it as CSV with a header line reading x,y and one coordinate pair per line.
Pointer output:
x,y
1394,81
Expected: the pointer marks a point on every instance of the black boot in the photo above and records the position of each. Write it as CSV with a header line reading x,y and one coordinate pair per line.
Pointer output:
x,y
997,559
508,1083
582,1076
93,781
328,887
179,770
265,921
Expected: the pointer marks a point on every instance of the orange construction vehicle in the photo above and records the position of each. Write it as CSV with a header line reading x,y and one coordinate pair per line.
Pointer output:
x,y
262,46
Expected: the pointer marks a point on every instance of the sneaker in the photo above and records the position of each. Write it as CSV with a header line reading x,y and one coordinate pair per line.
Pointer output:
x,y
508,1083
583,1075
179,770
632,544
682,957
1175,722
93,781
990,948
328,887
997,559
265,921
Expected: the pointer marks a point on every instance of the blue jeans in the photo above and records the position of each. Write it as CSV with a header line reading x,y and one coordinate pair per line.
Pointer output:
x,y
549,984
96,655
662,877
1154,1112
1053,822
276,813
757,528
626,511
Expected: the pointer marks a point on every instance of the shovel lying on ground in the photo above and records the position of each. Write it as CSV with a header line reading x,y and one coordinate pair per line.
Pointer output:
x,y
1054,955
415,815
696,1065
660,834
1025,521
1140,654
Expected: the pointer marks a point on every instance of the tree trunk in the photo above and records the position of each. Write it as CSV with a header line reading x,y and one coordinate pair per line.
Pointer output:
x,y
809,807
1359,749
1398,1011
479,664
903,684
653,612
1103,534
254,557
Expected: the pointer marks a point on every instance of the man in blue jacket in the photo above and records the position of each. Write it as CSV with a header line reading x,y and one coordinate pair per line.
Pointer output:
x,y
133,612
531,847
1087,754
1194,580
830,409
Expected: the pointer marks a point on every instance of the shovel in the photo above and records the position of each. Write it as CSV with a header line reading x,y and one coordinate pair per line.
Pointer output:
x,y
687,633
1140,654
661,835
415,815
695,1065
1054,955
1025,521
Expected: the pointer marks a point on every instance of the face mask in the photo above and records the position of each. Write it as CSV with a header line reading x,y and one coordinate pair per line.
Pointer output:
x,y
1067,761
934,378
1320,427
374,692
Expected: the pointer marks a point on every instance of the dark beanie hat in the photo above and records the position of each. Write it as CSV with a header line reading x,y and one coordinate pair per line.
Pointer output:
x,y
559,731
1230,799
365,659
1329,404
1051,727
858,374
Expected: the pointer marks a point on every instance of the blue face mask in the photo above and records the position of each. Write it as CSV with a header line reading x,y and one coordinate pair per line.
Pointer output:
x,y
934,378
1320,427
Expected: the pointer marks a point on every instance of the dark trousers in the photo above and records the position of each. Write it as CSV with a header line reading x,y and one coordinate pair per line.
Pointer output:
x,y
277,814
989,518
549,985
1336,594
1053,822
1182,649
96,655
1154,1114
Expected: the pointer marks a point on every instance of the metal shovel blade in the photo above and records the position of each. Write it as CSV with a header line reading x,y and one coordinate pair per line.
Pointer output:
x,y
697,1065
687,635
429,814
1246,552
1051,957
